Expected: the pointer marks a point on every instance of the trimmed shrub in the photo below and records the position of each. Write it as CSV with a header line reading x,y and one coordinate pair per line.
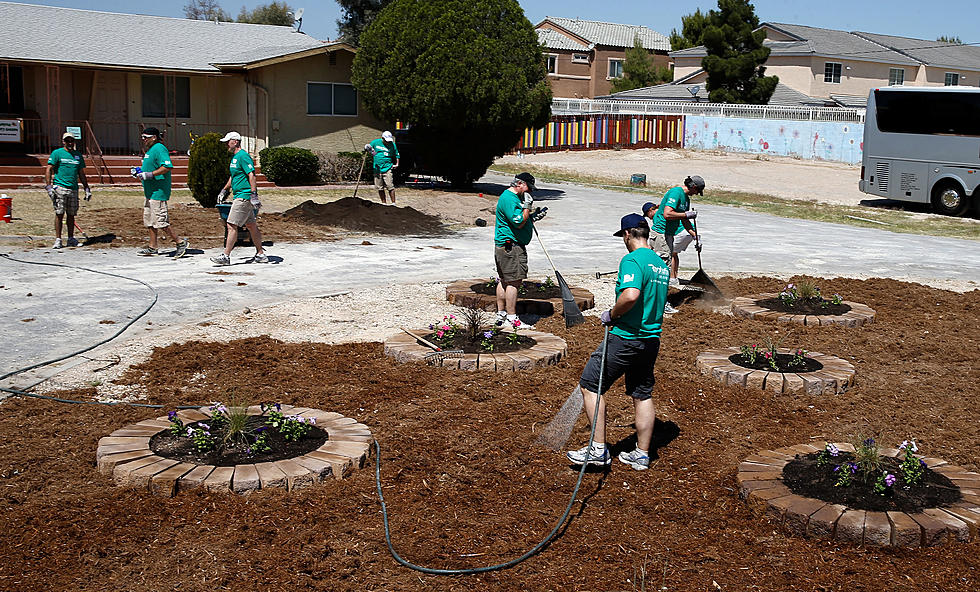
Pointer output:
x,y
287,165
342,167
207,169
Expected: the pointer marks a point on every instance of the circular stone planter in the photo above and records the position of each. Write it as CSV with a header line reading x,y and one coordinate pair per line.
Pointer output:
x,y
834,378
460,293
761,486
125,455
547,350
748,307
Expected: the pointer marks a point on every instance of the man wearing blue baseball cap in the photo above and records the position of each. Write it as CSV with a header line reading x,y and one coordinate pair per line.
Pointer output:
x,y
633,343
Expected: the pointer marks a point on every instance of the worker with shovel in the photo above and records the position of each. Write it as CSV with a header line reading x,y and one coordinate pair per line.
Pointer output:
x,y
632,345
513,230
155,176
245,201
386,160
61,177
674,210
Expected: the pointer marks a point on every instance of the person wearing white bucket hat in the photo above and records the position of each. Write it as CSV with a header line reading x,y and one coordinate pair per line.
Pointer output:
x,y
64,170
386,160
245,201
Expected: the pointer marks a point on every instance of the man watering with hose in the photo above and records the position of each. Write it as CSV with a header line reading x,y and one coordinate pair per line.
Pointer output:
x,y
633,344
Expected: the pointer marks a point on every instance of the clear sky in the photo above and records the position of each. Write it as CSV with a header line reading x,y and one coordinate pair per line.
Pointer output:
x,y
908,18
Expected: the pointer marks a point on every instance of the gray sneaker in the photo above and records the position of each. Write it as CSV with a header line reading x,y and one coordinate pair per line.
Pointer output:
x,y
635,459
586,456
72,242
668,309
221,259
181,249
260,258
147,251
57,244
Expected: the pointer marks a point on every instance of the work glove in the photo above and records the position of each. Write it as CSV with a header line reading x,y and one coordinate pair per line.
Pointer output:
x,y
222,195
698,243
691,214
88,194
606,317
50,190
539,213
368,148
144,176
528,201
256,204
135,171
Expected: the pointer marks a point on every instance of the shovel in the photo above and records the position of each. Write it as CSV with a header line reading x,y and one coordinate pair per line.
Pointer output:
x,y
701,279
573,316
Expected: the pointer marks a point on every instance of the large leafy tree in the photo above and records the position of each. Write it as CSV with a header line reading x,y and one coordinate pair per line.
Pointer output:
x,y
273,13
639,70
205,10
692,27
736,55
357,15
468,75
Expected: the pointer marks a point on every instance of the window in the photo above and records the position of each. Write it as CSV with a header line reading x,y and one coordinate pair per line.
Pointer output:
x,y
952,79
831,72
580,58
166,96
615,68
896,76
552,63
12,85
919,113
330,98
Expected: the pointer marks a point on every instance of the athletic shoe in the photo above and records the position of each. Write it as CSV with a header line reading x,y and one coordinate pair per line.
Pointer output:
x,y
668,309
147,251
221,259
260,258
181,248
72,242
57,244
635,459
501,319
674,283
586,456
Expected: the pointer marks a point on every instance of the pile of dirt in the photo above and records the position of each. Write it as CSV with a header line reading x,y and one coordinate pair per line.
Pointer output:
x,y
354,213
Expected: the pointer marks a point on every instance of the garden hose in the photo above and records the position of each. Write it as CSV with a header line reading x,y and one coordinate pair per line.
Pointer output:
x,y
534,550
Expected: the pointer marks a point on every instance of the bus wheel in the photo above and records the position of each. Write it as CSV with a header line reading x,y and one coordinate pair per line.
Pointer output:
x,y
948,198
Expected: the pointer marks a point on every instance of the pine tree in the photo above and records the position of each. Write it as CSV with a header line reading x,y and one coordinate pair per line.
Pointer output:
x,y
639,70
736,55
692,27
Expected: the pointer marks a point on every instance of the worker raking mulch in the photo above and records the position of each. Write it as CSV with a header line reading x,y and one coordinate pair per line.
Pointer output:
x,y
354,213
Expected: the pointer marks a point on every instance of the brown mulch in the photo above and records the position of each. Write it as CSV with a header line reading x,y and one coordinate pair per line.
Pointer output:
x,y
467,486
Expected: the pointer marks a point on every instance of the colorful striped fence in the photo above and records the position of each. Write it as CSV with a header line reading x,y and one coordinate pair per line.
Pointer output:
x,y
595,132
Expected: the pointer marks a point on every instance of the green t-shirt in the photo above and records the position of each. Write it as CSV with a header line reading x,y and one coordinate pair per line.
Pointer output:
x,y
158,187
510,212
677,199
385,155
241,165
644,270
65,166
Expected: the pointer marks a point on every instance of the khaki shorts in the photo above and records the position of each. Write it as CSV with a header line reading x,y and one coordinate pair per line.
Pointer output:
x,y
65,200
385,180
663,246
242,212
511,264
156,214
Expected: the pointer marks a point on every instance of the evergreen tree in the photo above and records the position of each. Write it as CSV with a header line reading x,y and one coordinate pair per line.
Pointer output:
x,y
950,39
357,15
468,75
639,70
273,13
736,55
205,10
692,27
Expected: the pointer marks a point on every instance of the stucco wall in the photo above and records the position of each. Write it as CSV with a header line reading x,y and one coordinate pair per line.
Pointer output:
x,y
858,80
841,142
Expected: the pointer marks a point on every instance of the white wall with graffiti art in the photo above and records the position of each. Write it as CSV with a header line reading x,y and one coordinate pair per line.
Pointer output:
x,y
810,140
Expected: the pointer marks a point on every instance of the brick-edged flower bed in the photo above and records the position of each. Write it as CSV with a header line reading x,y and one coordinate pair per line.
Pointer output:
x,y
760,481
834,377
461,293
125,455
748,307
547,350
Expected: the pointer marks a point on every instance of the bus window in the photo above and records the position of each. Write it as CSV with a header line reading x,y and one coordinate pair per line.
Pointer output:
x,y
917,113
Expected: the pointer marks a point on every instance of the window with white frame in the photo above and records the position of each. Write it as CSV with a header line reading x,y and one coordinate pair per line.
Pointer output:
x,y
580,58
552,60
952,79
330,98
615,68
896,76
831,72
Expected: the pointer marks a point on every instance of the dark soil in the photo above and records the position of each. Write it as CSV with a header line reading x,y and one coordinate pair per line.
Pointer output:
x,y
182,448
783,363
354,213
804,477
501,344
536,290
467,486
808,307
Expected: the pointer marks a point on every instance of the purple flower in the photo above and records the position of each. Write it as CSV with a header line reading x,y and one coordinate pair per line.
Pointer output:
x,y
869,442
190,432
853,467
172,415
832,450
312,421
261,429
431,326
488,334
889,480
278,407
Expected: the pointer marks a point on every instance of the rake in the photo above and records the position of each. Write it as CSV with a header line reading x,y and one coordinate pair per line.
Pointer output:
x,y
573,316
438,354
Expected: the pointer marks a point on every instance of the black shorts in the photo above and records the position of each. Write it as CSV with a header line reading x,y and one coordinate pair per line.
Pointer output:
x,y
633,357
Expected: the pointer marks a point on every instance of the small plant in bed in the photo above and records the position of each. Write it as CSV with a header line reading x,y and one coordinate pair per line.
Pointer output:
x,y
545,290
470,330
804,297
231,436
866,480
768,357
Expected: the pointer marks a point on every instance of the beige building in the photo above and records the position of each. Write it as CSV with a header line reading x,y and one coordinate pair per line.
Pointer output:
x,y
584,57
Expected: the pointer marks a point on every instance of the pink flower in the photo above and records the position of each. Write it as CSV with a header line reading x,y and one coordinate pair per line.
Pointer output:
x,y
516,323
438,333
445,327
768,354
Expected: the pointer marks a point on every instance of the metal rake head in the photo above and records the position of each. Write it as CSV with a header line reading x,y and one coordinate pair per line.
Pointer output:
x,y
435,358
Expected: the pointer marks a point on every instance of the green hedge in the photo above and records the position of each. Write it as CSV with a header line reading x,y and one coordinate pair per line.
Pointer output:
x,y
286,165
207,169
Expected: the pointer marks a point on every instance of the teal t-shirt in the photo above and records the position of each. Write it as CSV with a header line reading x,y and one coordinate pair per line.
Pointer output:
x,y
385,155
644,270
65,166
677,199
241,165
510,212
159,186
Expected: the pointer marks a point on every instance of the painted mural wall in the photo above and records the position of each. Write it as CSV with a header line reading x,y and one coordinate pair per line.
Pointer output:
x,y
809,140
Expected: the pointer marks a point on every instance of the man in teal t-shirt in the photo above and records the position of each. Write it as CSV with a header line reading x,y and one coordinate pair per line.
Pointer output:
x,y
245,201
386,160
512,232
155,176
632,345
674,210
61,176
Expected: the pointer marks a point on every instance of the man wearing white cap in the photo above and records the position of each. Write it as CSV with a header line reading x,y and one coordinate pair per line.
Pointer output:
x,y
245,200
66,164
386,159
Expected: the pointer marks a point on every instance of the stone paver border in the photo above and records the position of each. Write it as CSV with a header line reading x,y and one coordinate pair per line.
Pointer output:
x,y
834,378
125,455
460,293
547,351
748,307
760,481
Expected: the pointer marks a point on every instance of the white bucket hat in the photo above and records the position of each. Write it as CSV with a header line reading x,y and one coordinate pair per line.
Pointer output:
x,y
232,136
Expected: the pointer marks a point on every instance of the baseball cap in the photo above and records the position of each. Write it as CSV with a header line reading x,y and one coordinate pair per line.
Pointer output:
x,y
151,131
67,135
232,136
647,206
696,184
387,137
631,221
528,178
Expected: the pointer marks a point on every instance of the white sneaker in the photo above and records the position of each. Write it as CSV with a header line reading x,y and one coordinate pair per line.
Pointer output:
x,y
57,244
674,282
587,456
668,309
635,459
221,259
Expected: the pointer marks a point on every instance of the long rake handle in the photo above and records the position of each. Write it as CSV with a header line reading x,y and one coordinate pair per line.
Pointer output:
x,y
361,172
546,251
697,240
429,343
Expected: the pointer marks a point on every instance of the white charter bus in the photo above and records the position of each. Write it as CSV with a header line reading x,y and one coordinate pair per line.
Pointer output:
x,y
922,144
